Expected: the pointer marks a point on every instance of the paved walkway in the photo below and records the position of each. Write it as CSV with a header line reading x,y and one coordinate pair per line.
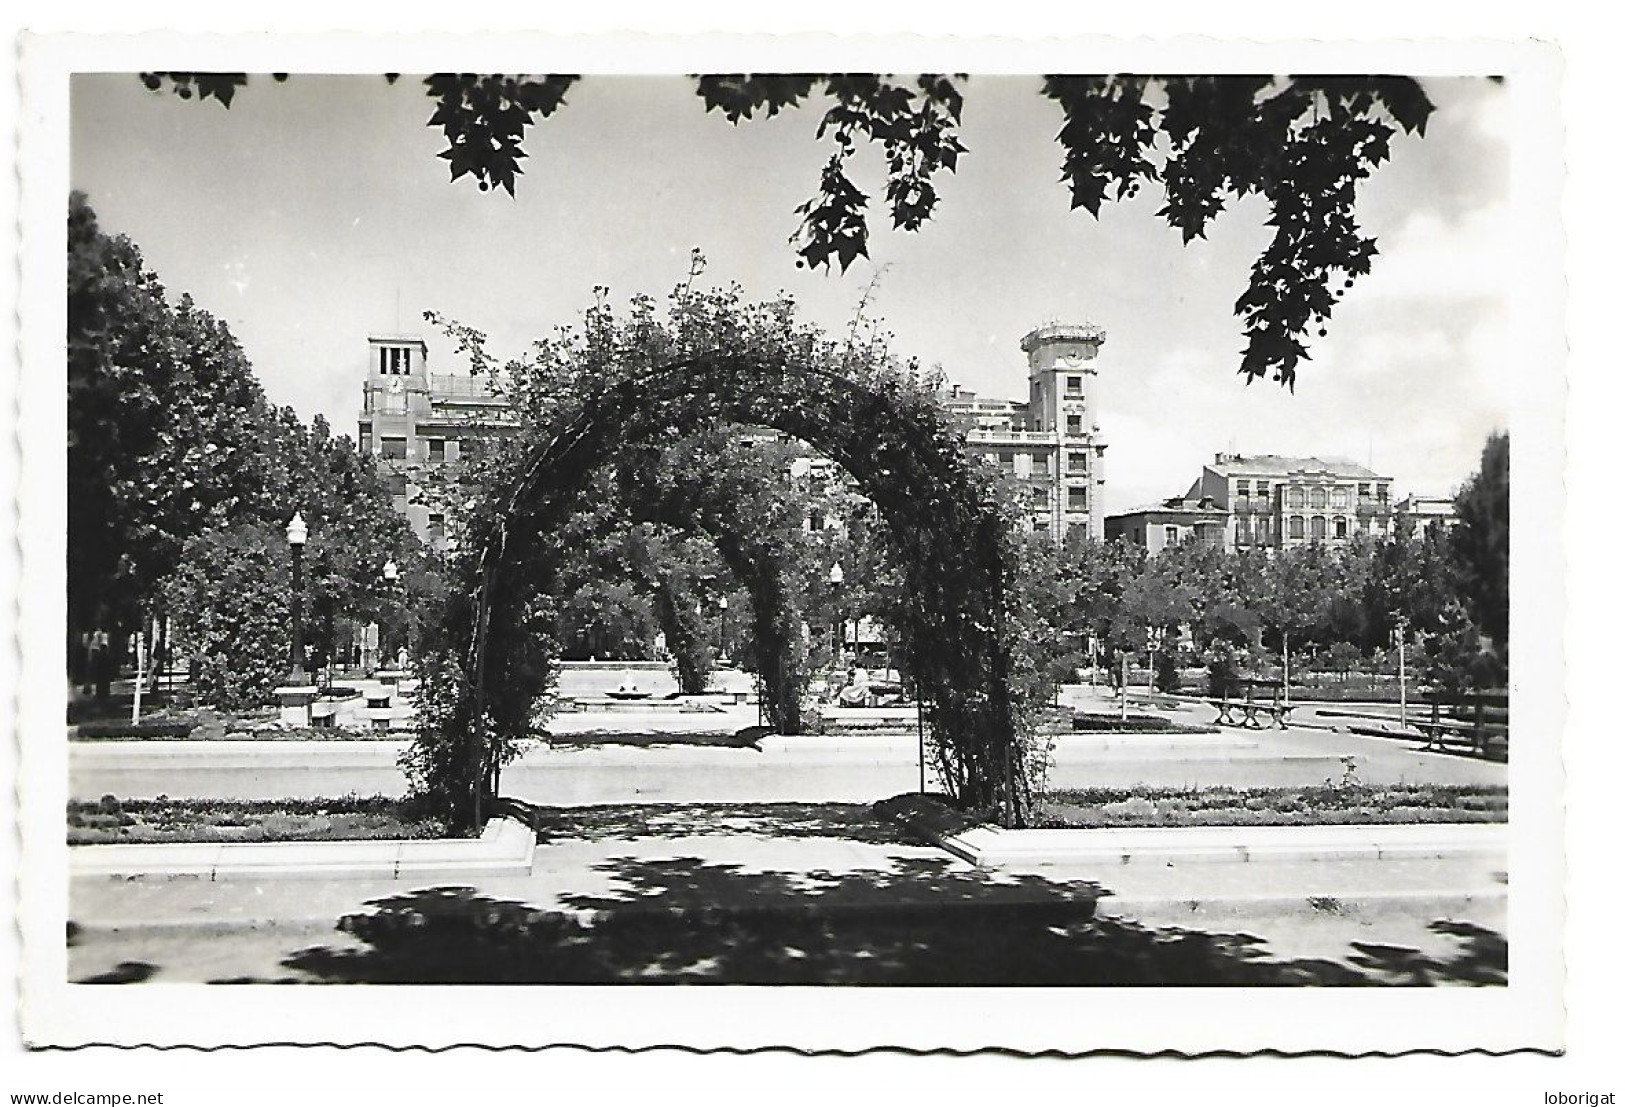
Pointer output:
x,y
848,768
803,894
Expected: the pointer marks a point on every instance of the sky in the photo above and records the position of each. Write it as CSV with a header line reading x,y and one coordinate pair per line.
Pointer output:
x,y
314,213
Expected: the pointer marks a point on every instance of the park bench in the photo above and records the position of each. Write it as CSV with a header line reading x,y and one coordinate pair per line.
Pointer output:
x,y
1258,700
1474,720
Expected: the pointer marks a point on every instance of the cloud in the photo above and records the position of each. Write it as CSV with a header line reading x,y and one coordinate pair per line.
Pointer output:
x,y
1431,257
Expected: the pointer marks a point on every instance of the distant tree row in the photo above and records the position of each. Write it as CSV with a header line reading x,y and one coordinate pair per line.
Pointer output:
x,y
1443,590
182,478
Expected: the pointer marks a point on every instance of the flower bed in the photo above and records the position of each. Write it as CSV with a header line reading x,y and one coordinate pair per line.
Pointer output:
x,y
1134,724
350,818
1321,805
115,731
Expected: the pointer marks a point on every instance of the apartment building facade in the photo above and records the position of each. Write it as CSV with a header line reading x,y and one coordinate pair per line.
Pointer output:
x,y
1267,501
1049,446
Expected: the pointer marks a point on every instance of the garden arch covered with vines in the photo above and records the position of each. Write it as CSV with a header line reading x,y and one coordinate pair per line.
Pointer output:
x,y
954,549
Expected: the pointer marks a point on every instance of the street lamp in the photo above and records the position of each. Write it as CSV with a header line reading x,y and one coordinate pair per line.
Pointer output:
x,y
391,575
837,577
296,542
722,644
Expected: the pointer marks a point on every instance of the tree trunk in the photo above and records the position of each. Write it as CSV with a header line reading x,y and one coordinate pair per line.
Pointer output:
x,y
1286,668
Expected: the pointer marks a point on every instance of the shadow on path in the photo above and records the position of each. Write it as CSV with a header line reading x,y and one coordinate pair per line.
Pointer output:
x,y
918,923
901,920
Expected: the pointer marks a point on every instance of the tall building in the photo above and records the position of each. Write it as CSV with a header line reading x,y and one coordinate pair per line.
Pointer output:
x,y
1050,445
411,418
1266,502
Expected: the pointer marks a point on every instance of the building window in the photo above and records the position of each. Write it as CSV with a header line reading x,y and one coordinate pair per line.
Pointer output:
x,y
1170,536
1263,489
1340,497
1317,497
437,528
1007,457
1040,497
1340,527
1077,462
1382,493
437,449
1261,529
1077,499
1317,527
1295,526
1040,526
366,442
1074,424
1294,498
395,483
393,448
1074,386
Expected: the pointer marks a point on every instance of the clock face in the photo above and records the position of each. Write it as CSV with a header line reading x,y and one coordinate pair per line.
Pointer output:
x,y
1068,361
396,386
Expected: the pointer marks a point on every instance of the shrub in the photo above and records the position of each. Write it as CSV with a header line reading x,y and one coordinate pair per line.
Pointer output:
x,y
135,730
229,600
1221,668
1167,672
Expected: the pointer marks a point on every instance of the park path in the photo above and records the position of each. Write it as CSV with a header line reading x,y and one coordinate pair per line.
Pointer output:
x,y
744,894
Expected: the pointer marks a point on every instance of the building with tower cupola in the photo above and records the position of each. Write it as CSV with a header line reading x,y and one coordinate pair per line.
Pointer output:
x,y
1049,446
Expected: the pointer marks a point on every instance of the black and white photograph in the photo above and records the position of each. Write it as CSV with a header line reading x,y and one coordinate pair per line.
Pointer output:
x,y
781,554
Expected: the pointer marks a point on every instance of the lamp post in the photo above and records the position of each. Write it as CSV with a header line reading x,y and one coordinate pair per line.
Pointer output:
x,y
837,578
392,573
722,640
296,542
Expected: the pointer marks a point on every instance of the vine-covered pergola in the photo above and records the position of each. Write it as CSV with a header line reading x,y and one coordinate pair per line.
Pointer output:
x,y
954,548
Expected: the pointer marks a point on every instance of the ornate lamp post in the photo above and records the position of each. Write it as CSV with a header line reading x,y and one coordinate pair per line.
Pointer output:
x,y
296,696
296,542
837,578
392,574
722,641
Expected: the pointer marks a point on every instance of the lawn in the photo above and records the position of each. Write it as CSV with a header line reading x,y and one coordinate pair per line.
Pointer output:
x,y
349,818
1321,805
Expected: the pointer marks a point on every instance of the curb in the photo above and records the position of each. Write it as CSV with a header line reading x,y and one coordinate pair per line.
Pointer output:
x,y
507,847
989,846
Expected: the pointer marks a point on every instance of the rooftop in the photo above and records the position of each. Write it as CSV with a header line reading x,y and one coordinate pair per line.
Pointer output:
x,y
1063,332
1275,465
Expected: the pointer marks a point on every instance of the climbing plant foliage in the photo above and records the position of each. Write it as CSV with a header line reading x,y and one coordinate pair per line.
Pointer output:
x,y
620,385
1303,143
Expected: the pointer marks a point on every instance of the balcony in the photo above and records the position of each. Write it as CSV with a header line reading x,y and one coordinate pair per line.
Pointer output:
x,y
981,436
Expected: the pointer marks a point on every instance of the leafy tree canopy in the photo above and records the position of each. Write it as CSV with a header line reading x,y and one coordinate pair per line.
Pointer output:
x,y
1302,143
